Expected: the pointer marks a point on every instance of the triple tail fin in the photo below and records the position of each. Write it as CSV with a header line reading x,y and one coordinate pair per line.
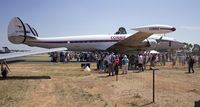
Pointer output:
x,y
18,32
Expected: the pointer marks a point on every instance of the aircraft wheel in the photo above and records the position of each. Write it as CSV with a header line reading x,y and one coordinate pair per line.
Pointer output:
x,y
4,73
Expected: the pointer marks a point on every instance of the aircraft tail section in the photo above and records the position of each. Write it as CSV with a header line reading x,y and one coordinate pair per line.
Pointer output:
x,y
34,32
18,32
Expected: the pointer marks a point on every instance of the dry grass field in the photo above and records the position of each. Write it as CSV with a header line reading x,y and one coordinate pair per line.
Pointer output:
x,y
67,85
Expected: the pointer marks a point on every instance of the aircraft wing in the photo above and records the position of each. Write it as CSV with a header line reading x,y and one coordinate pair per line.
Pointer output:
x,y
20,54
132,41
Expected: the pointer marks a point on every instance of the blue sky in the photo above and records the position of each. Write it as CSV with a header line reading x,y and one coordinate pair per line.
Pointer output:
x,y
86,17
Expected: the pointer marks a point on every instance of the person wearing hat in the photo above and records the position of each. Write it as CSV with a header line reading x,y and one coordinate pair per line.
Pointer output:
x,y
125,62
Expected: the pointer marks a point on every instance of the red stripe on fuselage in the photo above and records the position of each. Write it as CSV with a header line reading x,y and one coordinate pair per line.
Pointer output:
x,y
86,41
165,28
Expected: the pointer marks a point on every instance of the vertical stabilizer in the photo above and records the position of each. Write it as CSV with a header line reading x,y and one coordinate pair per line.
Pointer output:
x,y
16,31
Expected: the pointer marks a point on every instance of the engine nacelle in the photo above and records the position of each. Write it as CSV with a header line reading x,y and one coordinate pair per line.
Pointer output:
x,y
150,43
18,32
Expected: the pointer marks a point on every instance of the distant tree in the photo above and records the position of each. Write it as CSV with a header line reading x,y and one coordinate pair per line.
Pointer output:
x,y
187,47
196,48
190,46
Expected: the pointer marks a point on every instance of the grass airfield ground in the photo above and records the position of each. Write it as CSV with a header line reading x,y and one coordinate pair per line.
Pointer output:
x,y
32,84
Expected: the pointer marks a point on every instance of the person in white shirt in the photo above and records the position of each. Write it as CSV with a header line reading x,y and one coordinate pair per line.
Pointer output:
x,y
140,62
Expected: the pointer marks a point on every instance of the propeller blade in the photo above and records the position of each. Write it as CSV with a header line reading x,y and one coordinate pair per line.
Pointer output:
x,y
159,40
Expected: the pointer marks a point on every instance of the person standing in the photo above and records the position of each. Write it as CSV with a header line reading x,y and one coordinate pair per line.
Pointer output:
x,y
140,62
125,62
145,61
153,61
174,59
98,61
183,60
109,59
78,57
116,64
101,67
105,61
190,64
131,61
120,61
163,59
179,59
62,55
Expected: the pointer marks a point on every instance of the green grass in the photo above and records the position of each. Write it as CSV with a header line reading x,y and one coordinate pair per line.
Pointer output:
x,y
17,90
79,94
76,94
69,84
12,92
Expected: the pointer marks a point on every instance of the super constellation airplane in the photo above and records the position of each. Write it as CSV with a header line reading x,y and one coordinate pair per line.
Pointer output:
x,y
21,33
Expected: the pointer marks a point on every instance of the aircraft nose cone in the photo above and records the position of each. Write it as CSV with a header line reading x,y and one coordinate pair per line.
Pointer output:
x,y
173,29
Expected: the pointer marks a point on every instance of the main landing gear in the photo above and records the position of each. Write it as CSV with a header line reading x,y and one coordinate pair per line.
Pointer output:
x,y
4,70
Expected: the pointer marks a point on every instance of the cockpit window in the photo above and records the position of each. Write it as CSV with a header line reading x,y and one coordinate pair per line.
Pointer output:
x,y
121,30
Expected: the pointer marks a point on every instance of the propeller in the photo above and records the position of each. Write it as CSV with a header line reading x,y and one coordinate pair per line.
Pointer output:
x,y
159,40
153,42
148,43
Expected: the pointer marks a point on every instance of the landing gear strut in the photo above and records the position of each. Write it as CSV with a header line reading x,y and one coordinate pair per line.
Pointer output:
x,y
4,70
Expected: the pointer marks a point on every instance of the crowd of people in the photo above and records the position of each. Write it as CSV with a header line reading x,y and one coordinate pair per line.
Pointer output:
x,y
60,56
85,56
67,56
111,63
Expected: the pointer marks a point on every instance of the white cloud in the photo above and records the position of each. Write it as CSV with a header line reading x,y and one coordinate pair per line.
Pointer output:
x,y
191,27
